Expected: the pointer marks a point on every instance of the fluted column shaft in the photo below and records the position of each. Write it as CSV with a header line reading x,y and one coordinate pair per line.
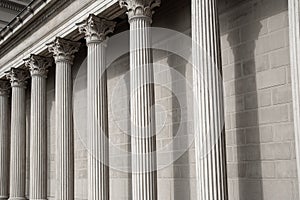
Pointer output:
x,y
18,138
18,134
64,131
63,52
38,139
4,140
38,136
209,114
95,30
143,139
98,174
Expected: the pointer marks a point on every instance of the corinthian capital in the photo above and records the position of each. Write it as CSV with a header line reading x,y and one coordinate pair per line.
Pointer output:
x,y
38,65
96,28
63,50
4,87
139,8
17,77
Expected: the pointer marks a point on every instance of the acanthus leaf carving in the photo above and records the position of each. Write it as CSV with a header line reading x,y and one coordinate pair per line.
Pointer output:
x,y
96,28
139,8
38,65
63,49
17,77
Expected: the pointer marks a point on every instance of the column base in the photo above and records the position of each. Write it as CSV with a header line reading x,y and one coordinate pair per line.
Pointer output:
x,y
4,197
17,198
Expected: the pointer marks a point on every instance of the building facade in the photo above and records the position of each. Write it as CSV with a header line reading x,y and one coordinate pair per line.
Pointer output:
x,y
151,99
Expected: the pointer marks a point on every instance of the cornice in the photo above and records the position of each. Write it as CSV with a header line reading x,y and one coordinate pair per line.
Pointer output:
x,y
14,35
19,46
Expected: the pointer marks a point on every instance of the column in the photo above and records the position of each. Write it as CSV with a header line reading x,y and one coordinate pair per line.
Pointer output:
x,y
208,106
4,139
63,53
38,66
96,30
294,38
18,133
143,140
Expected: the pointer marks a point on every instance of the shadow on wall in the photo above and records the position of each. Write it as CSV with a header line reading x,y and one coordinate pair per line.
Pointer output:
x,y
248,156
181,171
119,70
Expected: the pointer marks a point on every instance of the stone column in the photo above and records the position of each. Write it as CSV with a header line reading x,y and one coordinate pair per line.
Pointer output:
x,y
38,66
208,106
4,139
96,30
63,52
143,139
18,133
294,38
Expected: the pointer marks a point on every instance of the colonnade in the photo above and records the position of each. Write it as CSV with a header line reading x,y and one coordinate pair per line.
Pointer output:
x,y
209,116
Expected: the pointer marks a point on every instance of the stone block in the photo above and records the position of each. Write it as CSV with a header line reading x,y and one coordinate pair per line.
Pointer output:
x,y
282,94
248,153
245,85
257,64
280,58
286,169
250,189
234,104
278,189
284,132
254,30
260,169
258,99
271,78
266,43
276,151
164,189
232,71
245,119
273,114
278,21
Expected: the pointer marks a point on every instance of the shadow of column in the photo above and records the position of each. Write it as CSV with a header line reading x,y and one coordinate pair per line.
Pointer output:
x,y
246,119
181,164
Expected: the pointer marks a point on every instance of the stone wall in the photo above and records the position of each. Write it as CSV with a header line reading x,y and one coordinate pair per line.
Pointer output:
x,y
258,101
